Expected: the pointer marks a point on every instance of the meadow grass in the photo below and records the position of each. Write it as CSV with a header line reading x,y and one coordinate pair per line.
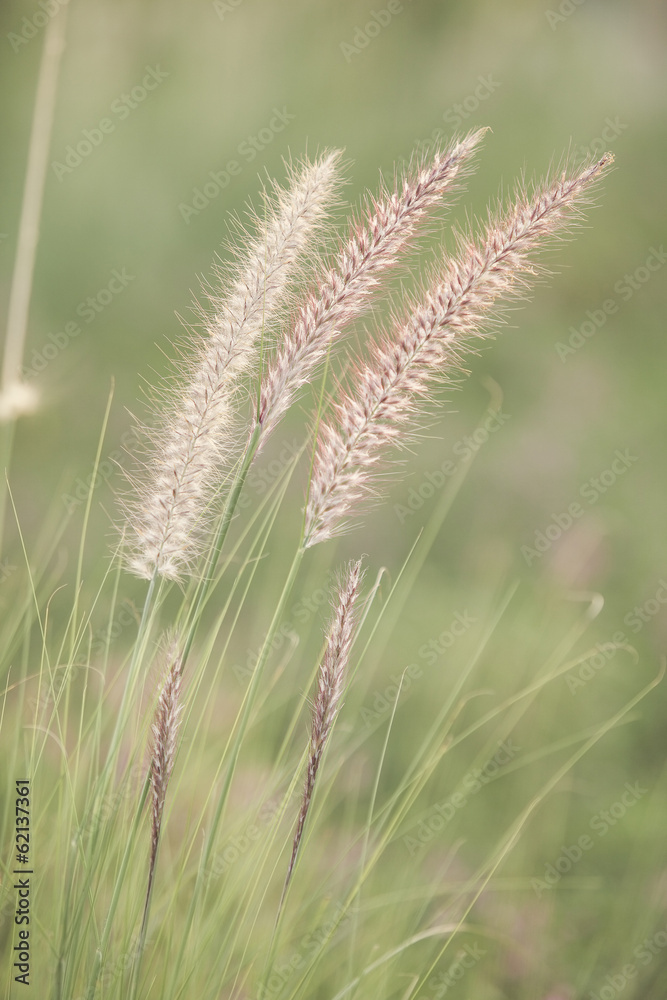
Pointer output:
x,y
233,798
371,909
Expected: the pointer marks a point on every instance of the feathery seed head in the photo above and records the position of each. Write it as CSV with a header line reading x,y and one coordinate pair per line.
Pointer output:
x,y
193,445
337,654
329,690
164,731
380,408
374,245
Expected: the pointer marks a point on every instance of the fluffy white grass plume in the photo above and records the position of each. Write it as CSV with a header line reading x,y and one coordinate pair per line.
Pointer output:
x,y
329,690
385,229
193,442
381,409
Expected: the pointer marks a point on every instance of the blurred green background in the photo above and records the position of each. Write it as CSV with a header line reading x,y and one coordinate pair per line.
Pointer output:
x,y
547,77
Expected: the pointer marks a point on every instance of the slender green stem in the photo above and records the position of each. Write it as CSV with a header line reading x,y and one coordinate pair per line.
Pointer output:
x,y
240,729
249,702
121,717
200,597
144,924
142,633
120,878
369,822
84,529
208,576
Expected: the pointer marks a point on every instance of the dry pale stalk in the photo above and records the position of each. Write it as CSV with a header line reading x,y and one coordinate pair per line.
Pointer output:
x,y
16,395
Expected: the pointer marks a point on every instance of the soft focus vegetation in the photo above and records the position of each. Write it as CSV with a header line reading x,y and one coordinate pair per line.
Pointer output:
x,y
564,610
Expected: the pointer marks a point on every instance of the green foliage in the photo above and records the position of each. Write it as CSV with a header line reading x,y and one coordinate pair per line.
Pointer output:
x,y
495,782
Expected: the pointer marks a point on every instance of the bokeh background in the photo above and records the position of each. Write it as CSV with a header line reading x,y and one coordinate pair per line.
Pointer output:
x,y
581,368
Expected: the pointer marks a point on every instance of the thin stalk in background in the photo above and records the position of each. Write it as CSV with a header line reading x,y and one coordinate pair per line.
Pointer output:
x,y
84,530
508,842
17,396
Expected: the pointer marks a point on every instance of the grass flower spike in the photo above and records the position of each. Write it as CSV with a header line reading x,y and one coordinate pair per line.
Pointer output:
x,y
329,691
346,286
381,408
163,744
193,442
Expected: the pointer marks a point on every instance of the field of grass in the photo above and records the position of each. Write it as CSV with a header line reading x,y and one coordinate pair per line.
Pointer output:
x,y
488,819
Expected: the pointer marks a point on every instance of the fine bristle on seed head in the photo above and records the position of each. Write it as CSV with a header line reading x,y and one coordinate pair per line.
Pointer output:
x,y
164,732
459,309
377,239
194,445
330,682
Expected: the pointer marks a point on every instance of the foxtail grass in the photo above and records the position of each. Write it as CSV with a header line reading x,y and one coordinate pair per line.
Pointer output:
x,y
270,861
